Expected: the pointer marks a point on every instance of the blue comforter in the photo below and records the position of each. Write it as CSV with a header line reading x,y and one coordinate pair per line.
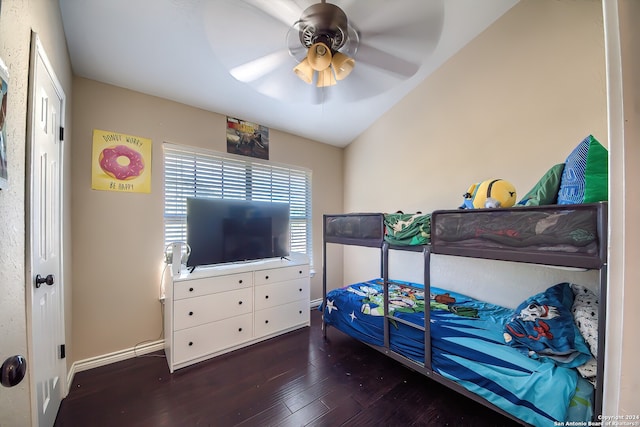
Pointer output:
x,y
467,347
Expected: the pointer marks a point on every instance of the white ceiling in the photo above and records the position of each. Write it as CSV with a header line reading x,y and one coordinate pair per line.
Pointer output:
x,y
184,50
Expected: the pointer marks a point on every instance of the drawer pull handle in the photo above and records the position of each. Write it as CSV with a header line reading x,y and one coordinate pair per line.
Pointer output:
x,y
300,289
266,297
239,329
239,302
190,289
300,272
266,277
266,321
190,343
300,312
240,281
191,313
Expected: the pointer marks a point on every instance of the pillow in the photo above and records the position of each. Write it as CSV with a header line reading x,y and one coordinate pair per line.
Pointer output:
x,y
585,174
545,192
585,315
543,328
589,370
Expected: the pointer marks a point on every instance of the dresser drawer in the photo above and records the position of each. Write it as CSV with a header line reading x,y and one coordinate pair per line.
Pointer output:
x,y
205,339
272,320
191,312
263,277
210,285
281,293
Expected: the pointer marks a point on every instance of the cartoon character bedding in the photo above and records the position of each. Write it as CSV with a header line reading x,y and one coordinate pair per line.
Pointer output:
x,y
519,360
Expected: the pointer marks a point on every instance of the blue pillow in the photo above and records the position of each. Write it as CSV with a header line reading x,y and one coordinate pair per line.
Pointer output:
x,y
585,174
543,328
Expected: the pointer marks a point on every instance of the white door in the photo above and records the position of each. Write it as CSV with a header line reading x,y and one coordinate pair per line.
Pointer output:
x,y
48,367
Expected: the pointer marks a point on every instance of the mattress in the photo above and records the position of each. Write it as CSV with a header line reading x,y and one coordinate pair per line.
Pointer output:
x,y
467,346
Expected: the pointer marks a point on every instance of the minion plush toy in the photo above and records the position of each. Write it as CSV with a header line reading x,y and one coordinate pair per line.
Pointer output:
x,y
492,193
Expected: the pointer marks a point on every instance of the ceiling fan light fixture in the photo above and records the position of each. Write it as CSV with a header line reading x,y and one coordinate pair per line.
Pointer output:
x,y
326,78
304,71
319,56
323,38
342,65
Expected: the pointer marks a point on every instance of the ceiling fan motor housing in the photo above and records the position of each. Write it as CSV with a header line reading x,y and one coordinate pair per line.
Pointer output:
x,y
324,23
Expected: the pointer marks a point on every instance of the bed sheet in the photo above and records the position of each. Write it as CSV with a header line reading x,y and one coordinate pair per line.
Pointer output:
x,y
467,347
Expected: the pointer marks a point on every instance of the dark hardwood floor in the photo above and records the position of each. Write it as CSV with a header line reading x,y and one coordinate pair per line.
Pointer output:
x,y
298,379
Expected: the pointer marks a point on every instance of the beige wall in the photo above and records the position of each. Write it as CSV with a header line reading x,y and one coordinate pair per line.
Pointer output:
x,y
512,103
17,19
118,237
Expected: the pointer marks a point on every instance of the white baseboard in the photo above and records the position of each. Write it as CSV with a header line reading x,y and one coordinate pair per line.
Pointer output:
x,y
129,353
116,356
316,303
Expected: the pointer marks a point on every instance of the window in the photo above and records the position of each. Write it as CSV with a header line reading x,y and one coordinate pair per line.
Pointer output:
x,y
195,172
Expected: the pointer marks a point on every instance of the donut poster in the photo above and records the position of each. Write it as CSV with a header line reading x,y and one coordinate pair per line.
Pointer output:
x,y
120,162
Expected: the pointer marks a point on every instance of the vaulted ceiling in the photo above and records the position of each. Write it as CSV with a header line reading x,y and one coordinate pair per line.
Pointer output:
x,y
234,57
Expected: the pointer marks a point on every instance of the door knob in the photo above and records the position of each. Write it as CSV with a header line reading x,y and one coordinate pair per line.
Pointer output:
x,y
13,370
40,280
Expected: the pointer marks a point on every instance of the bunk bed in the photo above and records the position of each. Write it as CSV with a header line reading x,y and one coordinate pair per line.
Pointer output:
x,y
474,347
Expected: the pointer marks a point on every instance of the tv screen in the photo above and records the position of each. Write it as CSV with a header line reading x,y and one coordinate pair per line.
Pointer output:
x,y
222,231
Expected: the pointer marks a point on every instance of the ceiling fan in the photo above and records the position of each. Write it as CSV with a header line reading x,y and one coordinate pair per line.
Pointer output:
x,y
330,42
302,51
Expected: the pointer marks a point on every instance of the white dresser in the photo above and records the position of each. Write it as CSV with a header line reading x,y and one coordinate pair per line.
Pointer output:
x,y
218,309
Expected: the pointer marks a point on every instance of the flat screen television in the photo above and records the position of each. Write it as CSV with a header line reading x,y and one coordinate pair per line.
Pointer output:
x,y
223,231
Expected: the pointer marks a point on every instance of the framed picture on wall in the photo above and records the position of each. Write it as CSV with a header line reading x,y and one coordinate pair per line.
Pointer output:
x,y
247,139
120,162
4,91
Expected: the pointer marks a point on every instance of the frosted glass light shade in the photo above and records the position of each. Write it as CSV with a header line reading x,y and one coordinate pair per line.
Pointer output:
x,y
304,71
342,65
319,56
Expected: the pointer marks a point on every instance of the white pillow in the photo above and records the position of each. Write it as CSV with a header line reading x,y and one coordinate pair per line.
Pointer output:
x,y
585,315
588,370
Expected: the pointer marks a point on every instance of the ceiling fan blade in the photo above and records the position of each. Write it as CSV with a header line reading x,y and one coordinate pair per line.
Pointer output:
x,y
254,70
412,36
287,12
245,33
424,15
282,83
386,61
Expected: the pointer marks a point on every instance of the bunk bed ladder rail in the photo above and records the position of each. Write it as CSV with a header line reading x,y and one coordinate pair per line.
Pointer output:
x,y
385,284
427,308
324,275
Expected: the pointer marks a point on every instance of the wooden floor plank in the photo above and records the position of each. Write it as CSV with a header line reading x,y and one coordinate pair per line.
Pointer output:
x,y
269,417
340,411
295,379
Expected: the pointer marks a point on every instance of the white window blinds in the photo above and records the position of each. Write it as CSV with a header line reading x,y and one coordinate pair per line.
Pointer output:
x,y
195,172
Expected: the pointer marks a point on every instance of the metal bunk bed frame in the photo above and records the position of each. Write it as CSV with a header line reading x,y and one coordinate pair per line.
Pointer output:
x,y
598,262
